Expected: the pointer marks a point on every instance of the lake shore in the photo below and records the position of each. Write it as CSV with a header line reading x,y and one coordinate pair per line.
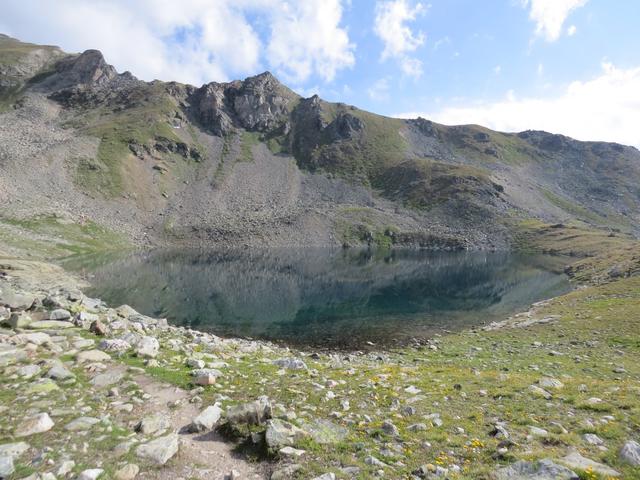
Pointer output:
x,y
562,378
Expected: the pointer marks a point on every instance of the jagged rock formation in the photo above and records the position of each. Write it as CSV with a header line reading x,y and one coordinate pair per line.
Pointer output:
x,y
253,162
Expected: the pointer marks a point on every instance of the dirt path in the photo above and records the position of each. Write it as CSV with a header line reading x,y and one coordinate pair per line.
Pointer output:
x,y
205,456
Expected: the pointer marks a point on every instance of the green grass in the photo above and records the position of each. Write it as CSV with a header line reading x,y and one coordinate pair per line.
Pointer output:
x,y
54,236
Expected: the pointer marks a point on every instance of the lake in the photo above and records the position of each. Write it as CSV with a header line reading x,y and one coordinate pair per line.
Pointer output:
x,y
324,297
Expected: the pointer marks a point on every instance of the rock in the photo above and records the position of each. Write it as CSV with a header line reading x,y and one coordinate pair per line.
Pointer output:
x,y
59,372
233,475
540,470
160,450
195,363
65,467
50,325
28,371
206,376
578,462
81,424
290,363
287,472
148,347
98,328
291,452
39,423
252,413
324,432
91,474
6,466
630,453
114,345
128,472
390,429
13,450
15,300
59,314
549,382
92,356
153,423
37,338
373,461
592,439
538,432
539,392
326,476
107,378
125,311
44,385
207,419
281,434
19,320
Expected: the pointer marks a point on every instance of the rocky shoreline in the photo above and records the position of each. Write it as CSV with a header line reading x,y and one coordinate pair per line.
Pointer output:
x,y
93,392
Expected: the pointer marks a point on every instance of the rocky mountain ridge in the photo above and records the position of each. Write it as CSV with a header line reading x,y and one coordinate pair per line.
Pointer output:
x,y
253,162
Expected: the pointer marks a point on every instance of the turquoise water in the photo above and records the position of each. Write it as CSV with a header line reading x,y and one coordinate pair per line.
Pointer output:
x,y
324,297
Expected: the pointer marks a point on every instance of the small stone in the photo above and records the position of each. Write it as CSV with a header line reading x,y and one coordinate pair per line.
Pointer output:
x,y
538,432
287,472
128,472
390,429
290,363
98,328
81,424
206,376
114,345
107,379
549,382
92,356
326,476
65,467
91,474
291,452
37,424
195,363
59,372
160,450
59,314
592,439
233,475
539,392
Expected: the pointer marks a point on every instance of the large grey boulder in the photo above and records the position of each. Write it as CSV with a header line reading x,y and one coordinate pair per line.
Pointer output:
x,y
630,453
207,419
578,462
154,423
541,470
252,413
160,450
148,347
282,434
39,423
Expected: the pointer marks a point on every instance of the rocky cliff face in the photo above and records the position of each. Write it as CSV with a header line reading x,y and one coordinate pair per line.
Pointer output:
x,y
253,162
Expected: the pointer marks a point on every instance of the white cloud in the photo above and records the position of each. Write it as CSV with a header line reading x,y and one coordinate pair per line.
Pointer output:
x,y
379,90
306,38
194,41
497,69
399,39
571,31
606,107
550,15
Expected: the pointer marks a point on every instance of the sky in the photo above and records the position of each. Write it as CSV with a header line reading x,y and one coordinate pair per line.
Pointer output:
x,y
565,66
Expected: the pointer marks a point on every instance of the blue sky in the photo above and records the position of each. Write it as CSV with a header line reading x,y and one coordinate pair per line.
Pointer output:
x,y
568,66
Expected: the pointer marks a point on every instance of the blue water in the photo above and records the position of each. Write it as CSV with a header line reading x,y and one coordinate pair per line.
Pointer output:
x,y
324,297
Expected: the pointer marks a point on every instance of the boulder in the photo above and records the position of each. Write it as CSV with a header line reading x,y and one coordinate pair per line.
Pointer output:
x,y
110,377
541,470
252,413
154,423
19,320
59,372
578,462
160,450
324,432
81,424
14,450
50,325
206,376
92,356
207,419
127,472
91,474
59,314
6,466
148,347
114,345
630,453
39,423
282,434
